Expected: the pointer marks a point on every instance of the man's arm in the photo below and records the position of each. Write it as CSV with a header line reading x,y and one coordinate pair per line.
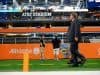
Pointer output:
x,y
77,30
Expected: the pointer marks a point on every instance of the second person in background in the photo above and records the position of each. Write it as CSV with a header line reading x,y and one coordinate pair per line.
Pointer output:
x,y
42,47
56,47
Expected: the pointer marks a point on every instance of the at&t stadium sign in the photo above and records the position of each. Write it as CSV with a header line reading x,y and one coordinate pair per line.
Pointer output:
x,y
37,14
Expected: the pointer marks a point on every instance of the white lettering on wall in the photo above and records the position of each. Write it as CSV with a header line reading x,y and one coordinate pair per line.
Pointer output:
x,y
37,14
36,51
22,51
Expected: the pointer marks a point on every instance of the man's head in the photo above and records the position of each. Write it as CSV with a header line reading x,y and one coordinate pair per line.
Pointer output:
x,y
73,16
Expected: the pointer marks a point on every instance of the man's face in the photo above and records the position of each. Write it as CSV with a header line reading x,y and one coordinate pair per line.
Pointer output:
x,y
71,17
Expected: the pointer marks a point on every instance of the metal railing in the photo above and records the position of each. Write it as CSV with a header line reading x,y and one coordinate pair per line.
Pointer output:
x,y
26,40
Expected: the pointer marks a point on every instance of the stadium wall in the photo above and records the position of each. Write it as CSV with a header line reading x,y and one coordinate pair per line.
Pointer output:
x,y
16,51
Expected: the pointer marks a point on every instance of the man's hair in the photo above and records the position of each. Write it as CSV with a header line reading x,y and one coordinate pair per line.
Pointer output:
x,y
75,15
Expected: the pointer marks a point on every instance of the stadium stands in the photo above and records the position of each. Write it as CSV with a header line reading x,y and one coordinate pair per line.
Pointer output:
x,y
9,20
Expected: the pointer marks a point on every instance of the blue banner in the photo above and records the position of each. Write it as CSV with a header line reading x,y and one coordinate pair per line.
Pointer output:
x,y
67,1
93,4
4,2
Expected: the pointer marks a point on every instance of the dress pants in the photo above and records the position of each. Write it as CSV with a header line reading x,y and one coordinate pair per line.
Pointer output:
x,y
75,53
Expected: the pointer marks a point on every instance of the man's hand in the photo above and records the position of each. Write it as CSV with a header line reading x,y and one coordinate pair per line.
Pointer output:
x,y
76,39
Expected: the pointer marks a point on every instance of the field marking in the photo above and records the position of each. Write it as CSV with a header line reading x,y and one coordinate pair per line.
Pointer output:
x,y
25,62
22,64
46,64
92,63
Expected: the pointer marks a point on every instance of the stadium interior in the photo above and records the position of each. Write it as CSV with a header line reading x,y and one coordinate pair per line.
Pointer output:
x,y
24,21
47,13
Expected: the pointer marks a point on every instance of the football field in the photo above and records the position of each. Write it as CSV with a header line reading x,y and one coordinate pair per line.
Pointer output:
x,y
48,65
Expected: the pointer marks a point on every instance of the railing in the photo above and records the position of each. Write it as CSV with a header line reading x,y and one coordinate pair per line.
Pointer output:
x,y
29,40
79,4
20,40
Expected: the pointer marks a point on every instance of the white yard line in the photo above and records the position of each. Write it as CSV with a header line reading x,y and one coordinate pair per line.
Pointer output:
x,y
92,63
22,64
46,64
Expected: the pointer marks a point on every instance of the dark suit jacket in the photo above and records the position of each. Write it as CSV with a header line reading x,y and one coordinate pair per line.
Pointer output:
x,y
74,31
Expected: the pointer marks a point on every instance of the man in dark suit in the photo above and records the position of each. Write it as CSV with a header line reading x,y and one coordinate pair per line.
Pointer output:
x,y
74,38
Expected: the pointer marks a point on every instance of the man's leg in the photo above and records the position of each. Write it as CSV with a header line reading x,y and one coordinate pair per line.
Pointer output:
x,y
42,53
81,58
75,46
71,52
56,53
73,59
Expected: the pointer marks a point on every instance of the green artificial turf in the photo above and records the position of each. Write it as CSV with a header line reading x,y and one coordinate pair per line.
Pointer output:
x,y
48,65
